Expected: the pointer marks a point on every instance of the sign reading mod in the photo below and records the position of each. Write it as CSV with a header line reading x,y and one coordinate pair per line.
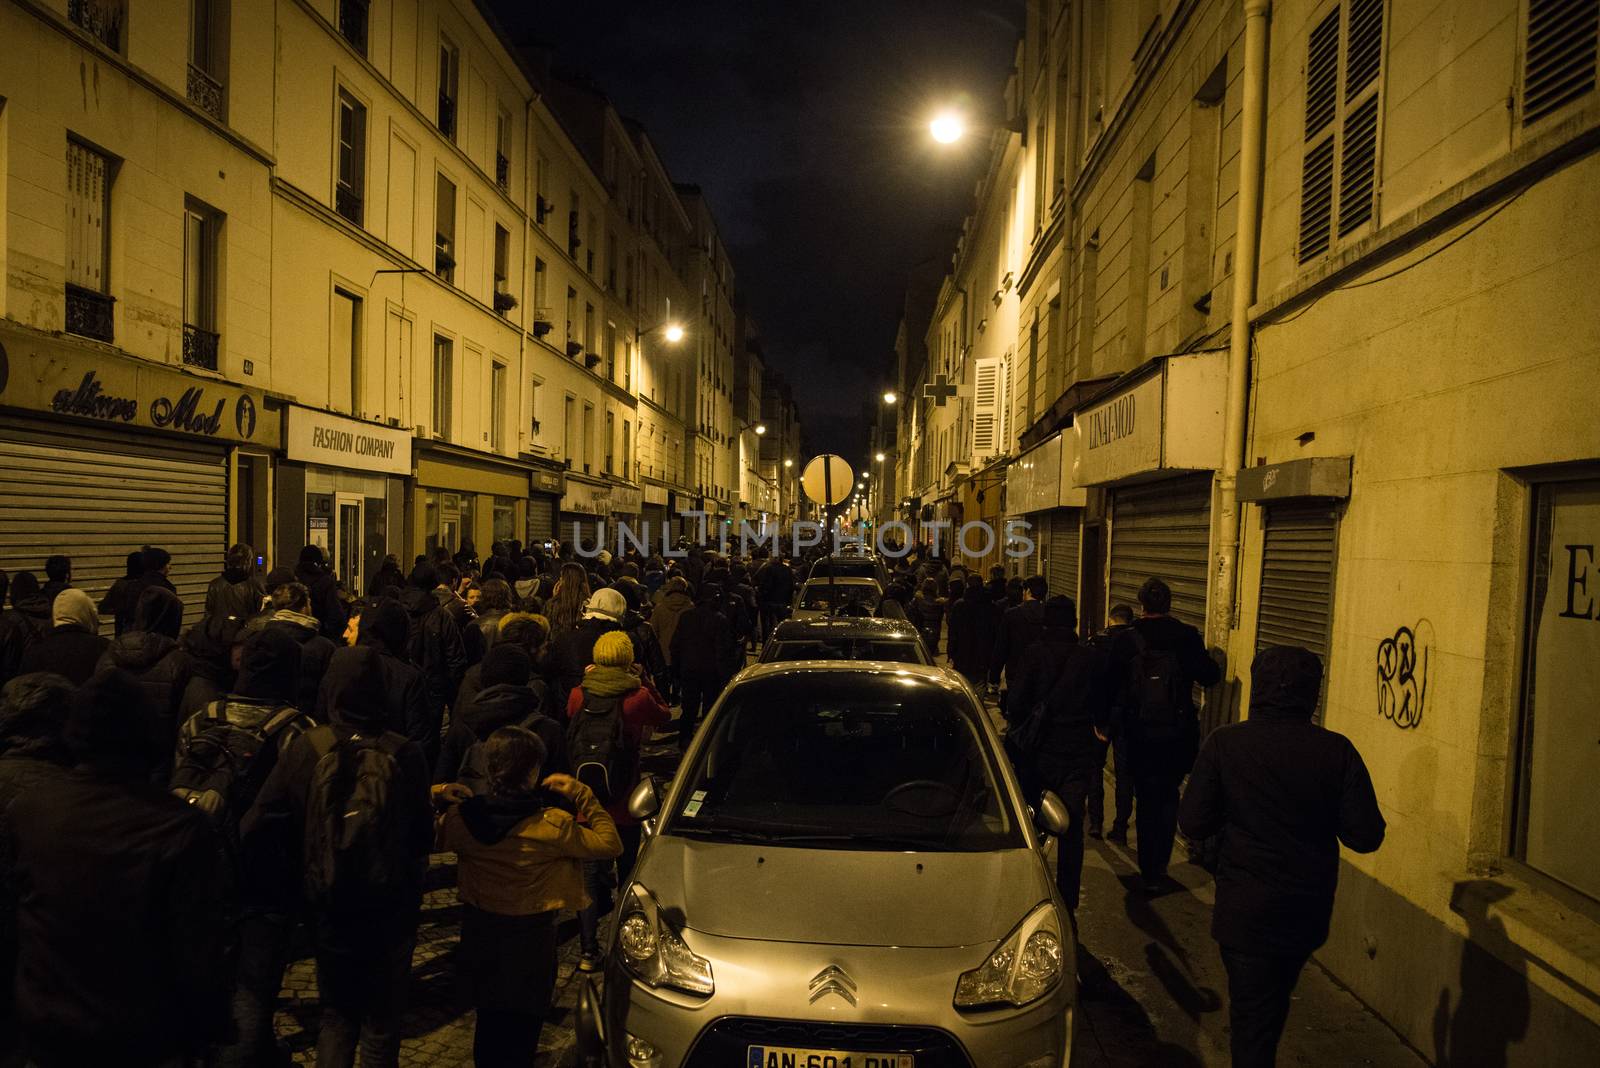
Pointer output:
x,y
336,441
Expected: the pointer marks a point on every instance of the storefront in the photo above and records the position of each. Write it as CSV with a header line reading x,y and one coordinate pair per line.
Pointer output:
x,y
1153,443
465,496
592,511
1040,494
545,487
102,454
653,515
340,487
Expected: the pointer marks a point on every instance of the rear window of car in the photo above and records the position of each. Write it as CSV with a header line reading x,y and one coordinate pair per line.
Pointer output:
x,y
899,651
846,761
821,595
841,568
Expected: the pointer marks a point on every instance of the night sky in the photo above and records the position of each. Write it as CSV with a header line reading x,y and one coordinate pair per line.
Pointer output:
x,y
806,125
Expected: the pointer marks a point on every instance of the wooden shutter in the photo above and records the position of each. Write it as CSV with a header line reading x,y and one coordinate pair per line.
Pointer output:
x,y
1339,172
986,376
1559,62
87,174
1322,101
1358,149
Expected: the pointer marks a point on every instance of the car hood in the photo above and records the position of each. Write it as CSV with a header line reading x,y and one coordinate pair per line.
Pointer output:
x,y
843,897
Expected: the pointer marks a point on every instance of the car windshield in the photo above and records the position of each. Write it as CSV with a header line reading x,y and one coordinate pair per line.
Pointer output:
x,y
822,595
897,650
845,567
846,761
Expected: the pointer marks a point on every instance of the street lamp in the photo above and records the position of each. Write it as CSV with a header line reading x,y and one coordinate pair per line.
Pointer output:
x,y
889,397
880,457
947,127
788,463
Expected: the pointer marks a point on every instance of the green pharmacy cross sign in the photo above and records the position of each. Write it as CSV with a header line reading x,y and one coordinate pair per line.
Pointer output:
x,y
941,389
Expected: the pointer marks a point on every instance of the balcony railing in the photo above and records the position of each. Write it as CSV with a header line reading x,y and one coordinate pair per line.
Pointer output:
x,y
101,19
199,347
89,313
502,172
206,92
347,202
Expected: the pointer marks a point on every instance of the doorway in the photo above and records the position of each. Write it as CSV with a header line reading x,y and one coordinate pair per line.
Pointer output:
x,y
349,531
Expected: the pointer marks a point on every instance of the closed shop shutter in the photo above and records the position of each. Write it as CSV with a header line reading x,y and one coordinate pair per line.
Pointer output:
x,y
1061,552
1297,559
1163,530
586,528
541,518
96,496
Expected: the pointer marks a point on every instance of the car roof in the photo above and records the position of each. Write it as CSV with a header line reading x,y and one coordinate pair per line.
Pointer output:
x,y
843,627
843,580
929,673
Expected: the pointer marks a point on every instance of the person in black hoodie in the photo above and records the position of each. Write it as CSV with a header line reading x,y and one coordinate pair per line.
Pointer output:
x,y
703,647
970,636
384,627
511,696
149,651
363,953
319,580
238,591
775,591
1068,684
1119,622
1019,628
26,619
120,598
57,575
1283,793
291,613
434,645
122,926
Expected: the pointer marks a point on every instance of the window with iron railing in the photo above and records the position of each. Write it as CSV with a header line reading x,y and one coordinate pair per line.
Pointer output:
x,y
201,235
100,19
449,73
89,304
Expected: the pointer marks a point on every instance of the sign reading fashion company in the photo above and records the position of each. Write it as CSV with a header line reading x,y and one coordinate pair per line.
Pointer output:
x,y
322,438
50,375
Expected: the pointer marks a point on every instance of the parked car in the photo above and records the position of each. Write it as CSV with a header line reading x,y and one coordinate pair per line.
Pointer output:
x,y
846,638
823,597
856,564
843,873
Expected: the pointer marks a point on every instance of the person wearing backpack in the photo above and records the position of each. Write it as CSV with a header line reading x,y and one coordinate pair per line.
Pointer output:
x,y
611,715
1118,622
511,697
520,847
383,628
1159,660
435,645
348,808
225,754
1017,627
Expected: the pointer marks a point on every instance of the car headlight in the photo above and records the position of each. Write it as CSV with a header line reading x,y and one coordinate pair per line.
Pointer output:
x,y
1024,967
653,952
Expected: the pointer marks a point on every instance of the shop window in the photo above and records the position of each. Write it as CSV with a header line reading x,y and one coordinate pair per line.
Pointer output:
x,y
1558,762
505,518
447,518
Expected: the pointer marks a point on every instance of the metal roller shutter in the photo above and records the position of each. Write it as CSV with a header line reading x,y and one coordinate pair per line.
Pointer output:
x,y
586,528
98,496
541,518
1061,553
1297,563
1163,529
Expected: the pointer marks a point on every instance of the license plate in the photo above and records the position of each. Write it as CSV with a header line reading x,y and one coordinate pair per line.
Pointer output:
x,y
788,1057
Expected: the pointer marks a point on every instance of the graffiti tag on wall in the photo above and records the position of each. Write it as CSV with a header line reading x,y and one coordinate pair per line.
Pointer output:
x,y
1403,675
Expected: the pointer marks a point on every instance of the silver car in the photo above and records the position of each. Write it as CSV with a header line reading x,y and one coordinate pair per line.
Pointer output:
x,y
843,875
821,597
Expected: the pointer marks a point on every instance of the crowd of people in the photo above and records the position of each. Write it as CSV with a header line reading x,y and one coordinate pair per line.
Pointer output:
x,y
176,802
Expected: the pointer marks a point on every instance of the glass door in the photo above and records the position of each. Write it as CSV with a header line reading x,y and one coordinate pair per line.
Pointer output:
x,y
349,531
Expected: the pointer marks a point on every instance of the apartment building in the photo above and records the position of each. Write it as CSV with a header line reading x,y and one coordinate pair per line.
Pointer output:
x,y
782,458
711,335
757,497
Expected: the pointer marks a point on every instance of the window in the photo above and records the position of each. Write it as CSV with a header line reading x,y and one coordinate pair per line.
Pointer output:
x,y
349,191
589,254
1201,195
627,446
443,386
353,23
345,346
611,351
207,50
541,189
573,239
533,406
1138,305
588,436
502,149
1039,159
572,320
200,235
611,433
588,328
1338,183
449,76
444,240
541,305
1558,64
497,407
1557,759
503,300
100,19
89,302
569,430
611,262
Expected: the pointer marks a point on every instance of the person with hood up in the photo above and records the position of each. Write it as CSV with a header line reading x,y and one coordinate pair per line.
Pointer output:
x,y
312,571
526,587
641,631
57,576
969,637
574,649
119,599
520,849
1284,794
122,949
512,696
290,608
388,580
927,614
73,646
615,678
363,934
1019,628
703,647
383,627
149,651
671,603
26,619
238,590
434,646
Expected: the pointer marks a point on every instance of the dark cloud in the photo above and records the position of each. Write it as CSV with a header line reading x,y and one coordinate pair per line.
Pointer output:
x,y
805,124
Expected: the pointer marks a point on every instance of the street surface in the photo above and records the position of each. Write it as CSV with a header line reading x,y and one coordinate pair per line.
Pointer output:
x,y
1156,992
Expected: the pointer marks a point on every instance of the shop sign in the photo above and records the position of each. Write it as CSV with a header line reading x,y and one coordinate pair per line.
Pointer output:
x,y
49,375
1041,478
1310,476
655,494
336,441
1169,420
585,498
547,482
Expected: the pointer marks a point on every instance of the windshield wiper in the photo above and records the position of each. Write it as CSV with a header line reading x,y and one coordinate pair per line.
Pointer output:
x,y
720,833
888,841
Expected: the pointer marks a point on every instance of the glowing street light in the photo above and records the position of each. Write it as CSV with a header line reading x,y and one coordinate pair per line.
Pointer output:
x,y
947,128
673,333
761,428
889,397
788,463
880,457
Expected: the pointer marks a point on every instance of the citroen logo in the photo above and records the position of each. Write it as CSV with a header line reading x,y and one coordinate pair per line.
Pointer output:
x,y
833,980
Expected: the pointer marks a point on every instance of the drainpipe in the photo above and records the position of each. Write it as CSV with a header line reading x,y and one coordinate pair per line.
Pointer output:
x,y
1246,260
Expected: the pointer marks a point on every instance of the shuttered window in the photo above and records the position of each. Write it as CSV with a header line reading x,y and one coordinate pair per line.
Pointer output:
x,y
88,182
1339,169
1558,64
986,408
1297,559
1163,530
1060,531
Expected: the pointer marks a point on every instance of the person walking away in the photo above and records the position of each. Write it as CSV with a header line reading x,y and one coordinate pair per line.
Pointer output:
x,y
671,603
494,601
1019,627
73,646
610,717
532,633
1061,691
125,897
350,802
224,755
157,564
57,576
969,635
434,645
1283,793
312,572
574,650
291,613
647,651
511,697
1160,660
927,614
149,651
520,847
120,598
383,627
26,619
1119,622
238,590
775,588
702,646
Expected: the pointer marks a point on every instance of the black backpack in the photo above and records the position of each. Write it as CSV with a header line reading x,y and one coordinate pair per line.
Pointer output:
x,y
356,849
225,764
1156,699
474,773
597,746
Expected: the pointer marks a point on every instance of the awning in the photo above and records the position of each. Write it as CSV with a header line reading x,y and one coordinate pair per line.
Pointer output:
x,y
1041,479
1166,417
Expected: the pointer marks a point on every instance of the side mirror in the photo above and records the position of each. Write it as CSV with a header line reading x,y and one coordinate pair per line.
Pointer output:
x,y
644,801
589,1027
1053,817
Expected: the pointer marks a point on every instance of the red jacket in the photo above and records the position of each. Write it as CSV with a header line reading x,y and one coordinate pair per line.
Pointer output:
x,y
642,710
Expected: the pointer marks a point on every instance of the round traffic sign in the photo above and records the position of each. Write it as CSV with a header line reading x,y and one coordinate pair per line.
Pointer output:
x,y
827,479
